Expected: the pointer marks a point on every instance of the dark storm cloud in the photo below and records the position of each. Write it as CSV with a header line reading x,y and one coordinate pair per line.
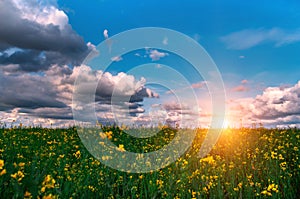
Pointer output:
x,y
43,43
50,113
27,92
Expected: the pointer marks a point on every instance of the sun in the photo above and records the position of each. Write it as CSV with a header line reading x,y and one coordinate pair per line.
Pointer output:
x,y
226,124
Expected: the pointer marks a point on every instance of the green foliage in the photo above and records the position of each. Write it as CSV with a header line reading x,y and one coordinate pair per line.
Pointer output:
x,y
245,163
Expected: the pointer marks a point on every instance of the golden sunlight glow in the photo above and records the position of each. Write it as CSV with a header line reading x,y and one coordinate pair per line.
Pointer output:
x,y
226,124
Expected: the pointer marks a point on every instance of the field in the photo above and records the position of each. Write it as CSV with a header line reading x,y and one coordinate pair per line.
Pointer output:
x,y
245,163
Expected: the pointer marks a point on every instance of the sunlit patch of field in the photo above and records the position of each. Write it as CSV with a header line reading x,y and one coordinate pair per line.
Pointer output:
x,y
245,163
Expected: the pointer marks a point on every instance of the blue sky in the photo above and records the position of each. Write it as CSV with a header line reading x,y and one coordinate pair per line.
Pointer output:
x,y
254,44
208,21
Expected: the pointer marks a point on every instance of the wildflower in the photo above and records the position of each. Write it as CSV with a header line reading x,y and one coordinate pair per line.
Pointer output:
x,y
240,185
102,135
48,182
265,192
91,188
77,154
193,194
18,176
159,183
50,196
281,157
210,160
109,134
283,166
231,165
3,172
273,155
1,164
121,148
272,187
43,189
27,194
21,164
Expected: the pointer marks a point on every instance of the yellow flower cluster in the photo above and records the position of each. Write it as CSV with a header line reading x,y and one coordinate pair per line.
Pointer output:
x,y
48,183
18,176
2,170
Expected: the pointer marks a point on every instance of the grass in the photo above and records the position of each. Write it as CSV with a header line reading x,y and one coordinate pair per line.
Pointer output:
x,y
245,163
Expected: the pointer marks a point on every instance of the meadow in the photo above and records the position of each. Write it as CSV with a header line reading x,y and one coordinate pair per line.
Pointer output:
x,y
245,163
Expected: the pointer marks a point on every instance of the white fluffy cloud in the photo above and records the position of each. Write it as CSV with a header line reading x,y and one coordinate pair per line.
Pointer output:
x,y
41,13
156,55
275,106
105,34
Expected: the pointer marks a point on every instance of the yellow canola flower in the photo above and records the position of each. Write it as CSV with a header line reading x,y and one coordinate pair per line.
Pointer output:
x,y
50,196
121,148
21,164
27,194
159,183
240,185
1,164
19,176
265,192
43,189
194,194
283,165
3,172
272,187
102,135
209,160
109,134
48,182
77,154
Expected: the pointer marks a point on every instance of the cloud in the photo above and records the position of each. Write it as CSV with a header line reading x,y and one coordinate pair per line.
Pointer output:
x,y
199,84
49,95
244,81
276,105
116,58
277,102
155,55
105,34
196,85
181,113
240,88
249,38
27,91
41,32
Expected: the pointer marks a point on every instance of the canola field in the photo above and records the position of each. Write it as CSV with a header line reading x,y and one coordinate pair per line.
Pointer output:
x,y
245,163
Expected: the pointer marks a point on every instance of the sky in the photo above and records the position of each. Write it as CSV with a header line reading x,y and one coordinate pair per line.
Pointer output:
x,y
44,43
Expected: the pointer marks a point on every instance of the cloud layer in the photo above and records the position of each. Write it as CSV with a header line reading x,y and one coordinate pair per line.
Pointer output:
x,y
50,95
35,36
37,48
275,106
249,38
